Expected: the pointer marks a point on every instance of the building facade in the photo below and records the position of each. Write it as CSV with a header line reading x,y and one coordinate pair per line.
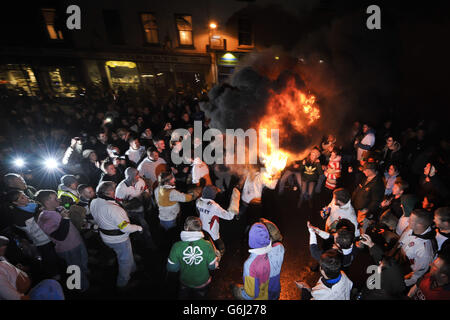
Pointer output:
x,y
158,46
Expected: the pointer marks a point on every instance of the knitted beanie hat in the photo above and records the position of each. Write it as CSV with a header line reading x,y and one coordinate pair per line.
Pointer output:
x,y
258,236
209,192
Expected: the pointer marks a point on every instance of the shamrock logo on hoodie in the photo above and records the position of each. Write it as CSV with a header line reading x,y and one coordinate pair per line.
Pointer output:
x,y
192,255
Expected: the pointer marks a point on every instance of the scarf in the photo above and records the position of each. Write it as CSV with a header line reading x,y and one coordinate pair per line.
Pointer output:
x,y
31,207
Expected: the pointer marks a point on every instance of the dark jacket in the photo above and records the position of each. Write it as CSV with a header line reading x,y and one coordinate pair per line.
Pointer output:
x,y
117,178
434,186
392,285
91,172
311,171
347,259
369,196
100,150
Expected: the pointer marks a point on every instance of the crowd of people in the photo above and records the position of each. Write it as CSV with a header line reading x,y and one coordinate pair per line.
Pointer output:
x,y
116,191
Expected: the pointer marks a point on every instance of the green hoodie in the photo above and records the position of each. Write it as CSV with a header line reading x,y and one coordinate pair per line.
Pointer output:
x,y
193,257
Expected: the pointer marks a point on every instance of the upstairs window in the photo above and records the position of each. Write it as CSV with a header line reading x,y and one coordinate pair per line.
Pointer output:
x,y
150,27
184,29
50,25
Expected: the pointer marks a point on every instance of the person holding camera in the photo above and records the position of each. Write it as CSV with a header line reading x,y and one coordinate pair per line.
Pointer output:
x,y
73,156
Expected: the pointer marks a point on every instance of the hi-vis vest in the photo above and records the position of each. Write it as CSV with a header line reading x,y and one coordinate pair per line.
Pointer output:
x,y
67,194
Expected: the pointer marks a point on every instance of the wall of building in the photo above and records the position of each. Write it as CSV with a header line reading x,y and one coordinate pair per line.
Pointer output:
x,y
88,50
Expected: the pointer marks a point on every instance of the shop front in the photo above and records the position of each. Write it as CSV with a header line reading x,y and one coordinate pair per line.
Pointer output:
x,y
19,78
227,61
122,74
161,75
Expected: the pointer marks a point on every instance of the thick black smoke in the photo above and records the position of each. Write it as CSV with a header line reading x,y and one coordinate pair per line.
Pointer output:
x,y
242,102
350,69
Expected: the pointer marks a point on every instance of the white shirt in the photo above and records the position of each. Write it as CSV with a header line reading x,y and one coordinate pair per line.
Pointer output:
x,y
345,212
126,193
369,139
199,170
440,239
253,188
402,224
169,213
8,280
419,252
110,216
147,168
210,212
135,155
339,291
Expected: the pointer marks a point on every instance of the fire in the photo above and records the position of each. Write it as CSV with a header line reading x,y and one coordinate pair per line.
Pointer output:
x,y
274,164
287,110
291,106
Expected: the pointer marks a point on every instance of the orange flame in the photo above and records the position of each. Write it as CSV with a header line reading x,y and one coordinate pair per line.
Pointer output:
x,y
293,109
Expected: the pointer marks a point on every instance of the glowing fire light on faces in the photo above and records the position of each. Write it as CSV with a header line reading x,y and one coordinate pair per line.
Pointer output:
x,y
293,107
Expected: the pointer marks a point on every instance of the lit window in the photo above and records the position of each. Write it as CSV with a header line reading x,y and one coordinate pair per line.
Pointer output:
x,y
49,19
150,27
19,78
184,28
64,81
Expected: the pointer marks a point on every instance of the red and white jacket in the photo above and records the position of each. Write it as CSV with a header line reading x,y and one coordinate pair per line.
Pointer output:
x,y
333,172
419,252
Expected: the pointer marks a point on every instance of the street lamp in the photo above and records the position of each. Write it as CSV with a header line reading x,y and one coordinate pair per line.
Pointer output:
x,y
212,25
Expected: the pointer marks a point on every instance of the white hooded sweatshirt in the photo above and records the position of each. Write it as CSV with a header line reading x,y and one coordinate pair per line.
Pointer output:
x,y
344,212
339,291
253,187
